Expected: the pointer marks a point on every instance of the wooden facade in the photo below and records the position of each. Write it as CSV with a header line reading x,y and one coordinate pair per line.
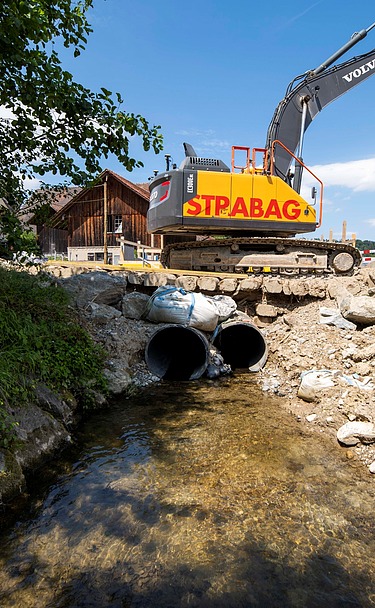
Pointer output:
x,y
124,205
127,206
52,240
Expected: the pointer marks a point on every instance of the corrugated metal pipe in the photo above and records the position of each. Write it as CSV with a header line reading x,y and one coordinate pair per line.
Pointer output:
x,y
241,345
177,352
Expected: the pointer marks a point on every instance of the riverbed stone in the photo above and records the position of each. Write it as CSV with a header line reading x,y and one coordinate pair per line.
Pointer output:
x,y
136,278
273,285
352,433
228,285
189,283
359,309
55,405
98,287
208,283
117,375
266,310
156,279
250,284
102,313
38,434
134,305
299,287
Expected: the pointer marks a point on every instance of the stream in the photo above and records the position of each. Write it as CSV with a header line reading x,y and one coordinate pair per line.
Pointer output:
x,y
197,494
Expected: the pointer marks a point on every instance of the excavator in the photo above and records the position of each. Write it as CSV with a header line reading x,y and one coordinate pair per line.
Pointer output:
x,y
245,218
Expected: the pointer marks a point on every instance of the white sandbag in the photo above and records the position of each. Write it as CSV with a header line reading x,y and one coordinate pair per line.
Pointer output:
x,y
170,304
225,306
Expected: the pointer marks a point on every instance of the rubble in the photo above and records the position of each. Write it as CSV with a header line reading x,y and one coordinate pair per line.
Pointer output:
x,y
311,332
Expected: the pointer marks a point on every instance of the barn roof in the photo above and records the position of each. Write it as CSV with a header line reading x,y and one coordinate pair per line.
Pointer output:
x,y
140,189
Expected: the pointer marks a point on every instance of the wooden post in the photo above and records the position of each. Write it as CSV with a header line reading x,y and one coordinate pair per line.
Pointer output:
x,y
105,220
343,238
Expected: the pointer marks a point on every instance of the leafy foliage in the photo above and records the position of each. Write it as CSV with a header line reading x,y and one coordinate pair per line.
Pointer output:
x,y
41,341
361,245
55,124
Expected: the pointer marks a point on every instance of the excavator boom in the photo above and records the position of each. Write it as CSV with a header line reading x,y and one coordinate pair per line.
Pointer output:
x,y
316,89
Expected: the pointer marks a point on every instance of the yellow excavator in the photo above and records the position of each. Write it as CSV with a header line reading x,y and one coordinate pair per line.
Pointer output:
x,y
245,217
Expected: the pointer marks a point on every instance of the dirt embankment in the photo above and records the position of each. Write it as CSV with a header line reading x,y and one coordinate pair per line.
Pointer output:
x,y
338,355
320,326
324,325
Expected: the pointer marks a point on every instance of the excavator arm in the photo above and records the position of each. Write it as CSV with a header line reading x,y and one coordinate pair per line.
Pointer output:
x,y
305,99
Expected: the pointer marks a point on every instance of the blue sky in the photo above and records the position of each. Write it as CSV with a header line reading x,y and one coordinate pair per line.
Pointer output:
x,y
212,73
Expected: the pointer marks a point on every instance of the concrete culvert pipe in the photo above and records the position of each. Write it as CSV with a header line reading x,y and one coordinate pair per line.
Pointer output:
x,y
177,352
242,345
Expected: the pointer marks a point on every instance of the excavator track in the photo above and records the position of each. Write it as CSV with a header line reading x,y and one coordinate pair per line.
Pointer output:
x,y
263,254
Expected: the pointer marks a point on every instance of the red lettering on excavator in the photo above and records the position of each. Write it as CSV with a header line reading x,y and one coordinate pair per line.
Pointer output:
x,y
256,207
239,207
291,210
221,203
196,206
210,205
273,209
208,198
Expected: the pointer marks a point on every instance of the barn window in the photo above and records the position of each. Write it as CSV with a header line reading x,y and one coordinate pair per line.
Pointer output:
x,y
118,223
114,223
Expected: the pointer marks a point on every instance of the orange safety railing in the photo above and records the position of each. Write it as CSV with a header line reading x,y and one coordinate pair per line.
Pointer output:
x,y
299,161
250,160
269,169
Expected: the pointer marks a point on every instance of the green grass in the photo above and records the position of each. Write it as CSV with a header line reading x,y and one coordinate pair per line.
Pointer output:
x,y
42,341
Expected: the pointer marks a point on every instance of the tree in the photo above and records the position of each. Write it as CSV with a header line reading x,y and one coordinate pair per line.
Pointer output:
x,y
55,124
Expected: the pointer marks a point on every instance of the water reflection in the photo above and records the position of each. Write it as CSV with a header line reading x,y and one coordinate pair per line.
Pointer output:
x,y
197,494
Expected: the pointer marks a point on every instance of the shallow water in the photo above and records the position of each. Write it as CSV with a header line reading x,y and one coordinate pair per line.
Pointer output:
x,y
201,494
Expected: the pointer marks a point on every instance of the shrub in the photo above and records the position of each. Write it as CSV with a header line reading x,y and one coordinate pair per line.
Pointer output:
x,y
42,341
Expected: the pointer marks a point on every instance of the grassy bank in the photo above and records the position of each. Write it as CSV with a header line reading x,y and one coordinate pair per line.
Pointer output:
x,y
41,341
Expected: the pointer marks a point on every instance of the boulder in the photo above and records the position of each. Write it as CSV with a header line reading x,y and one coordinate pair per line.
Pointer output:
x,y
102,313
134,305
99,287
355,432
358,309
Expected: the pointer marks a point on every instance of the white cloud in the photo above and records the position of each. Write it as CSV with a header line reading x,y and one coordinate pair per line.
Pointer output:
x,y
205,142
371,221
32,183
357,175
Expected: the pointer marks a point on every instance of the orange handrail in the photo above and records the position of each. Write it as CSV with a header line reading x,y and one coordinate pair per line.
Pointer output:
x,y
278,142
248,160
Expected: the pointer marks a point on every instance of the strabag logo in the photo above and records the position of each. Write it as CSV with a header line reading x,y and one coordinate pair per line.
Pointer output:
x,y
358,72
207,205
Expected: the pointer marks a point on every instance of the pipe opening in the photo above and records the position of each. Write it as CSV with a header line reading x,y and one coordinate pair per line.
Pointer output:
x,y
177,353
242,346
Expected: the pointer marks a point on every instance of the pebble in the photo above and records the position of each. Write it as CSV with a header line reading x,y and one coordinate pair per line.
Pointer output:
x,y
372,467
311,417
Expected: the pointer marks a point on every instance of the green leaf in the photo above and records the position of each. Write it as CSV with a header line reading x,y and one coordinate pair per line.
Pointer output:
x,y
57,124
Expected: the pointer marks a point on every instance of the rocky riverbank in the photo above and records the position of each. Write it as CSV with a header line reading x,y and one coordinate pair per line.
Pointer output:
x,y
320,336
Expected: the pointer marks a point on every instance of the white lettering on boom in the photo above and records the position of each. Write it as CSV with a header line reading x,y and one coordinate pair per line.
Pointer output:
x,y
363,69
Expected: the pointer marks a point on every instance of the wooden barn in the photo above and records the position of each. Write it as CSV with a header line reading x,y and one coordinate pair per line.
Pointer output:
x,y
117,204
